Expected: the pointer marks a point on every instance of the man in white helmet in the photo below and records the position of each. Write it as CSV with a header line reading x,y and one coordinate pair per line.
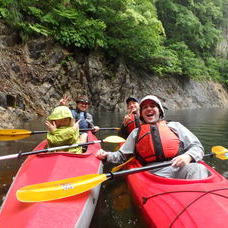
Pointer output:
x,y
158,141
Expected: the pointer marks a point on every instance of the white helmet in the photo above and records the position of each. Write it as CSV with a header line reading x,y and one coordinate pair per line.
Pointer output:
x,y
157,101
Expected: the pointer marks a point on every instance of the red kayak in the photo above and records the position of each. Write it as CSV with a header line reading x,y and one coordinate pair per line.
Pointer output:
x,y
181,203
74,211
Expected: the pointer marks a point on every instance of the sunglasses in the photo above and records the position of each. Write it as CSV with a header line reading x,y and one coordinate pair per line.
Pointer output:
x,y
84,103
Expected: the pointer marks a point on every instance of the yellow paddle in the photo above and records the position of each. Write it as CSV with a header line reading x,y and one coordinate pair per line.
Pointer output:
x,y
109,139
220,152
16,134
76,185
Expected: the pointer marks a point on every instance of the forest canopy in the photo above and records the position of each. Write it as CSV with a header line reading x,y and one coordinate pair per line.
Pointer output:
x,y
166,37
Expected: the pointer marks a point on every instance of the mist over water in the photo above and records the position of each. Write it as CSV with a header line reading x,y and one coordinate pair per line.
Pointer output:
x,y
115,207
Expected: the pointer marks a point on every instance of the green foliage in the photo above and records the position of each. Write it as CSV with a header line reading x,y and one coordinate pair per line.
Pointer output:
x,y
191,65
177,59
166,62
3,13
169,37
133,30
39,29
223,69
193,22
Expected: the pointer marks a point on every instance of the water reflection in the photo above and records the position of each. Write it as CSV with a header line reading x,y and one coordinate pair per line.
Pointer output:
x,y
9,168
115,207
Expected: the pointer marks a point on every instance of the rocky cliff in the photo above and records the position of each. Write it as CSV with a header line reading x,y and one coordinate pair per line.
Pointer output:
x,y
36,74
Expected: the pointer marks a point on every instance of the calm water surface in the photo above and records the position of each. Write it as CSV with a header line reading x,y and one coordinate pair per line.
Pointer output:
x,y
115,208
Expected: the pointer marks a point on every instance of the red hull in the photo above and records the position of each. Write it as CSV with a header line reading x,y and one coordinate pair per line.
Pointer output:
x,y
181,203
75,211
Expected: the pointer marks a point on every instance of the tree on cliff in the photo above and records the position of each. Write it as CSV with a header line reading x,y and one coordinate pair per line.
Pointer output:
x,y
176,37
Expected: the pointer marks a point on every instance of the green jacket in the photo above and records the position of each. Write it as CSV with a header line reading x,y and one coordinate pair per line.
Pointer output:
x,y
64,136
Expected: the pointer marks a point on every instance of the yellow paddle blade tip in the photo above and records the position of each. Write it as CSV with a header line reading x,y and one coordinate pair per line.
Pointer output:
x,y
114,139
54,190
13,134
222,157
220,152
218,149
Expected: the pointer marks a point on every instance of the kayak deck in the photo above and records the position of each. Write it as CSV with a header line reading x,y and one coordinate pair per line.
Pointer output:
x,y
74,211
181,203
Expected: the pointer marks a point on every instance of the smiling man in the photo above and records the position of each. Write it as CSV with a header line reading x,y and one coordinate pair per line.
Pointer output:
x,y
157,140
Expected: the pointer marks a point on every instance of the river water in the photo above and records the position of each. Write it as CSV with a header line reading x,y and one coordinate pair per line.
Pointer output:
x,y
115,208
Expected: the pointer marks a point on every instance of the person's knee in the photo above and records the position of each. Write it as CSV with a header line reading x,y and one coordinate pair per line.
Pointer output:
x,y
197,171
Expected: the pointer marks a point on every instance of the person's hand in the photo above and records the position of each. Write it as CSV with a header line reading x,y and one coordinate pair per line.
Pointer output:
x,y
181,160
76,125
101,154
127,118
51,126
96,128
65,100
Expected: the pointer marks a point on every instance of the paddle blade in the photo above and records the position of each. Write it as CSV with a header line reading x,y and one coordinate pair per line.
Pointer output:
x,y
13,134
121,166
220,152
59,189
114,139
12,137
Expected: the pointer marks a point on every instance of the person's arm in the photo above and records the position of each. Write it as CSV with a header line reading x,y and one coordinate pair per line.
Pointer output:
x,y
193,149
124,153
89,119
62,136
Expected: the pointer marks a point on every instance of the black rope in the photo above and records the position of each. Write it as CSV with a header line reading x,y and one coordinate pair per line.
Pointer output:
x,y
212,191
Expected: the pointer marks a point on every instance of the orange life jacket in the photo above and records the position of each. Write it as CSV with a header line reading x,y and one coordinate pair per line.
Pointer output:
x,y
156,142
132,123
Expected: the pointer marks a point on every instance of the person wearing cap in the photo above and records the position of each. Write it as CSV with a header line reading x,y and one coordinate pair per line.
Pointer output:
x,y
157,141
62,130
131,119
80,112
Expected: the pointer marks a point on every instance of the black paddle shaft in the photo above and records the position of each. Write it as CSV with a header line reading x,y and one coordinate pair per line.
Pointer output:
x,y
137,170
145,168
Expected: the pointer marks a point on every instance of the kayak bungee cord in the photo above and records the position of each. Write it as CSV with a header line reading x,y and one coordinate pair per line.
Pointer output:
x,y
208,192
145,199
213,192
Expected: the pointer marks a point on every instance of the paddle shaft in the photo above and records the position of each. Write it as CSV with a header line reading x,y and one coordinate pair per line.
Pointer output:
x,y
17,132
102,128
37,132
81,130
137,170
145,168
18,155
